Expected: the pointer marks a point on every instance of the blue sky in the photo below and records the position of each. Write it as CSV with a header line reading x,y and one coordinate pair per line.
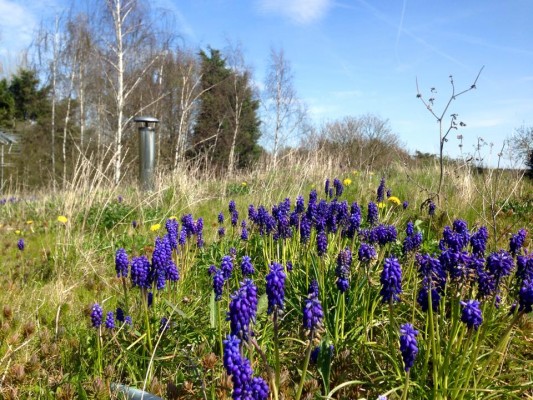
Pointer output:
x,y
351,57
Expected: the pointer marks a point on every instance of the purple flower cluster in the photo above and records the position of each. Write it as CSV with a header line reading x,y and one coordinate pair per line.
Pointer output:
x,y
242,309
218,283
245,387
525,296
471,314
227,267
373,214
408,345
478,241
391,280
246,266
342,271
524,267
339,188
380,193
413,240
366,253
322,243
122,263
381,234
163,267
500,264
96,315
433,281
431,209
140,272
517,241
275,287
172,232
110,320
312,308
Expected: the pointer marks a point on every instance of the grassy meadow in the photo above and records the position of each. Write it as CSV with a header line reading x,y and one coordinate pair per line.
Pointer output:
x,y
220,327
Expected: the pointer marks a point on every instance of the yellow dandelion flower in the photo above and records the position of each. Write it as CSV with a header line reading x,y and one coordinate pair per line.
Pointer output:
x,y
17,232
395,200
244,184
381,204
62,219
29,222
347,182
155,227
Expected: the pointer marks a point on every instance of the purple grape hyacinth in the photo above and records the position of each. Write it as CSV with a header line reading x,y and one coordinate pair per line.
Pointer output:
x,y
140,272
391,280
380,193
218,284
408,345
517,241
373,214
239,368
366,253
21,244
471,314
226,266
242,309
312,308
110,320
275,287
96,315
342,271
431,209
121,263
500,264
246,266
526,296
322,243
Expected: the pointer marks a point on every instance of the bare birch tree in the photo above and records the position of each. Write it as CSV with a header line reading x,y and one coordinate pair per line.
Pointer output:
x,y
285,112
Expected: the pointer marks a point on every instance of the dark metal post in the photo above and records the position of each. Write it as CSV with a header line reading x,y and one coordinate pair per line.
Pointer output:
x,y
146,151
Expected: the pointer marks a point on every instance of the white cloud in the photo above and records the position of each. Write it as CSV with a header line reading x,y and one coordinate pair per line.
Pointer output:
x,y
298,11
16,27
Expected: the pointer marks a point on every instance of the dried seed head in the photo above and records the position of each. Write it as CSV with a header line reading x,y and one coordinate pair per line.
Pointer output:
x,y
209,361
17,373
8,312
28,329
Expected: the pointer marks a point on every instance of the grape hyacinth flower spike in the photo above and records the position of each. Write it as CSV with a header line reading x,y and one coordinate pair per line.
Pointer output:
x,y
275,287
408,345
21,244
121,263
96,315
471,314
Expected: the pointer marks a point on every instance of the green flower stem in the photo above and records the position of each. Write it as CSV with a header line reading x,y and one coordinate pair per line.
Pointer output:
x,y
433,343
126,302
406,386
219,326
147,320
306,364
472,363
276,354
501,345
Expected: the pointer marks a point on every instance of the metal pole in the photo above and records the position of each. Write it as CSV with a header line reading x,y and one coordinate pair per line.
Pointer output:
x,y
146,152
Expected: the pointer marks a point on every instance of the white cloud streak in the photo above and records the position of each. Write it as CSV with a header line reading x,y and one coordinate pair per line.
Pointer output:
x,y
301,12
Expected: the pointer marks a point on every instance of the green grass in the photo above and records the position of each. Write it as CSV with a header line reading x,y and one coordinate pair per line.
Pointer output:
x,y
48,348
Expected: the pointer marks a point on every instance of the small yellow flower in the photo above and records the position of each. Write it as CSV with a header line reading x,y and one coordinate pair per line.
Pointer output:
x,y
355,172
17,232
173,217
395,200
381,204
62,219
29,222
347,182
155,227
244,184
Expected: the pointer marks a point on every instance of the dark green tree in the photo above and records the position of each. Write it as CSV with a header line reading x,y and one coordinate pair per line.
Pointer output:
x,y
7,105
31,102
228,106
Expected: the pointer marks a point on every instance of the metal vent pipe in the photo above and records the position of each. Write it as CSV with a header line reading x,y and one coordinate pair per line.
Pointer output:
x,y
146,151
